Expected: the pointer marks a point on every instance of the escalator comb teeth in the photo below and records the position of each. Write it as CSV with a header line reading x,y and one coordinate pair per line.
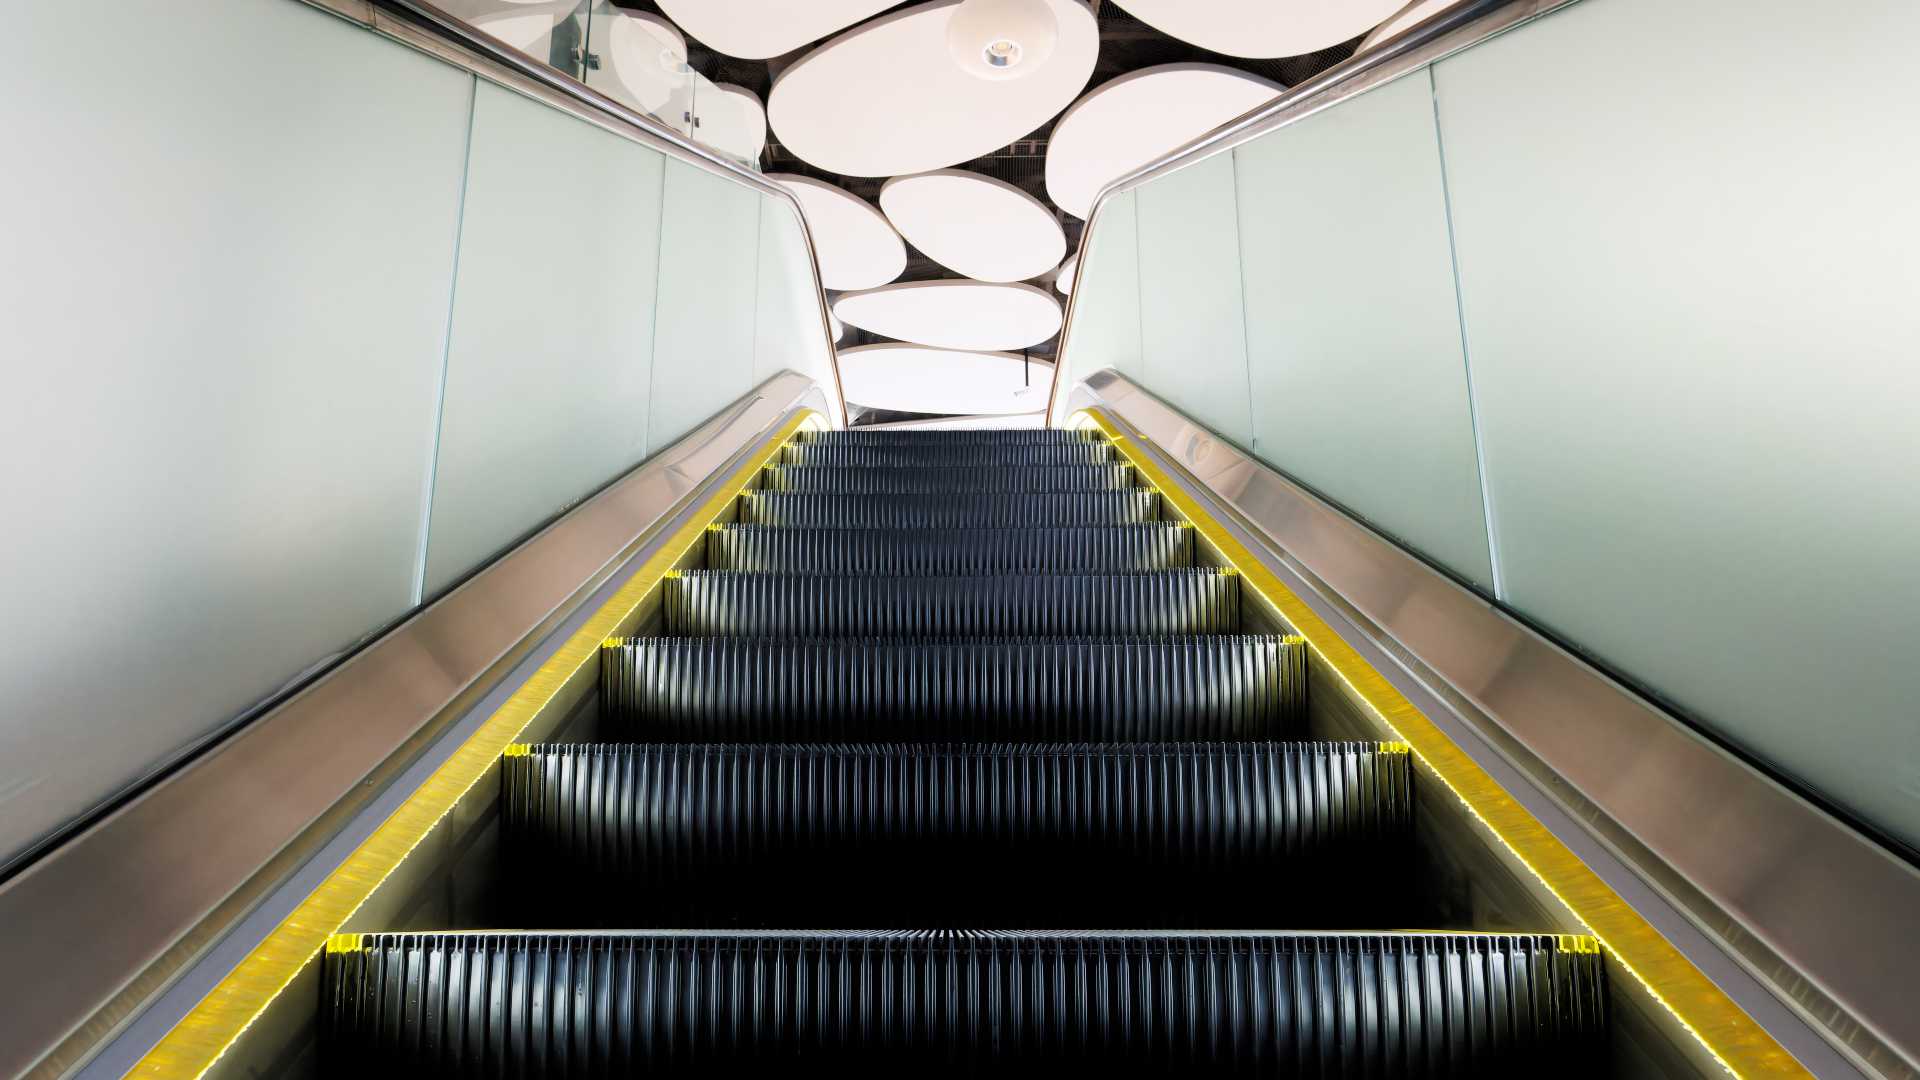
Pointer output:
x,y
918,439
963,1003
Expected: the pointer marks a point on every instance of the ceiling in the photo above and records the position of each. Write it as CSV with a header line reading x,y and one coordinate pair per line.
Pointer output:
x,y
866,101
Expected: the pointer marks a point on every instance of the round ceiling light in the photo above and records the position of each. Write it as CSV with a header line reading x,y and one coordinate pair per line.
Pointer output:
x,y
949,314
1001,39
886,99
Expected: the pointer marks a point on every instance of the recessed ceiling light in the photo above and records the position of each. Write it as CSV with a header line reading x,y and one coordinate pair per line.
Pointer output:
x,y
1002,39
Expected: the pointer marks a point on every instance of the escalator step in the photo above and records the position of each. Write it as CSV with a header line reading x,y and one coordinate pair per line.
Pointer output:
x,y
667,811
978,436
726,603
956,511
1092,690
947,453
767,548
941,479
945,1002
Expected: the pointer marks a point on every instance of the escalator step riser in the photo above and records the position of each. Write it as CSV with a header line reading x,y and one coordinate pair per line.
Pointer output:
x,y
701,1002
944,479
725,603
977,437
948,454
663,811
1114,548
766,690
957,511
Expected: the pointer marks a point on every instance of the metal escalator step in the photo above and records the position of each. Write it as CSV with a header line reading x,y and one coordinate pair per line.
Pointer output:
x,y
927,1002
727,603
1092,690
769,548
672,811
954,511
977,436
948,453
939,479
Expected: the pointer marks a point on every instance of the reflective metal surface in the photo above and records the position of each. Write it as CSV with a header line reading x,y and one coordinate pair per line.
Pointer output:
x,y
1450,31
433,30
121,909
1813,911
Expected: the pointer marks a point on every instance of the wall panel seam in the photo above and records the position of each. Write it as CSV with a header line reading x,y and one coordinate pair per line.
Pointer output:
x,y
1246,328
1466,356
653,331
446,351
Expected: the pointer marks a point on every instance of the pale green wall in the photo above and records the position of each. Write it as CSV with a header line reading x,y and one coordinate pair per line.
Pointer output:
x,y
1620,330
301,331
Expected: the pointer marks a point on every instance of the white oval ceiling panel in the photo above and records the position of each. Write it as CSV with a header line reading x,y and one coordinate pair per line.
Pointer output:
x,y
1064,280
914,378
1138,117
645,55
971,315
731,121
857,248
1262,28
1405,19
763,29
887,98
975,225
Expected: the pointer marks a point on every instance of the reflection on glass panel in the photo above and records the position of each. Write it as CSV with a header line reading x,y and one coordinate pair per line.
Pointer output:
x,y
550,31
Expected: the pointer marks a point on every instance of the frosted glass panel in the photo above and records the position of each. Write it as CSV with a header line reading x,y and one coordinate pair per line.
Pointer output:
x,y
1192,333
1690,289
788,334
225,293
1106,316
552,333
704,341
1353,335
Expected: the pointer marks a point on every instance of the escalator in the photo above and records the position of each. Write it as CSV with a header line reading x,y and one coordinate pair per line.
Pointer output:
x,y
959,753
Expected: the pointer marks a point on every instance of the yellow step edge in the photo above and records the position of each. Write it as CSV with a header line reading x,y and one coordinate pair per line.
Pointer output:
x,y
1725,1030
224,1014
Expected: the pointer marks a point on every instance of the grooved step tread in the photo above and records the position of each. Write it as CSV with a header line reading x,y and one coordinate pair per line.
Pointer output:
x,y
1091,548
954,511
968,454
961,1003
941,479
721,603
1233,687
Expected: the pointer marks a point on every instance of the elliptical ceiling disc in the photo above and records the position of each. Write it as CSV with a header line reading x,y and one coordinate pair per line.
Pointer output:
x,y
642,57
857,248
1063,282
1261,28
1136,118
915,378
1405,19
975,225
971,315
762,29
732,120
886,98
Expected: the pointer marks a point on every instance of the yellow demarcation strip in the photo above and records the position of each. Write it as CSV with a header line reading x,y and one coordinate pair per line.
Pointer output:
x,y
1722,1027
204,1034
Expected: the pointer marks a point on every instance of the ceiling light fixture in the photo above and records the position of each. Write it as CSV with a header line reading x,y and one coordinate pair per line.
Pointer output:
x,y
1002,39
